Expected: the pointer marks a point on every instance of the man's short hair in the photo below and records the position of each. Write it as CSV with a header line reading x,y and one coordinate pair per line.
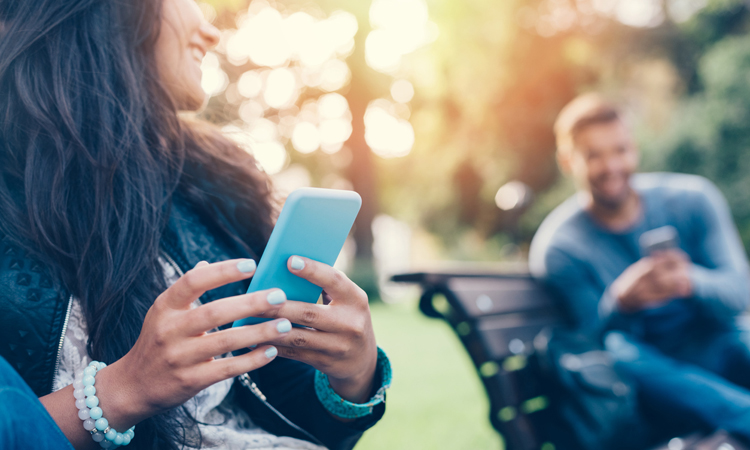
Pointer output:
x,y
582,112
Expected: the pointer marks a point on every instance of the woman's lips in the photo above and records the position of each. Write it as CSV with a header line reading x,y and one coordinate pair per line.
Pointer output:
x,y
198,54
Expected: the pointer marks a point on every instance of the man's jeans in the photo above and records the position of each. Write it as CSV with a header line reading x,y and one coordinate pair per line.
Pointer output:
x,y
24,422
696,382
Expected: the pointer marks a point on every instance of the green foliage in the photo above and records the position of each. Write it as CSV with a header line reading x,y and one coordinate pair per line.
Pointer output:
x,y
487,91
711,132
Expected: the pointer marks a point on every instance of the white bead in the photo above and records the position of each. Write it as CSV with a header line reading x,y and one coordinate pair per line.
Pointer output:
x,y
98,436
78,383
81,404
78,394
83,414
88,424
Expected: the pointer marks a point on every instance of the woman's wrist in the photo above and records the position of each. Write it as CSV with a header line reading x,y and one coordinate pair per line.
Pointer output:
x,y
121,402
356,388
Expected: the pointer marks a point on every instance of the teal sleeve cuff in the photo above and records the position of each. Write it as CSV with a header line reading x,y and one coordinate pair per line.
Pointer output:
x,y
346,409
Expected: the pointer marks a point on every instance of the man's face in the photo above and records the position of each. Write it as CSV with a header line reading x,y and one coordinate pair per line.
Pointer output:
x,y
603,158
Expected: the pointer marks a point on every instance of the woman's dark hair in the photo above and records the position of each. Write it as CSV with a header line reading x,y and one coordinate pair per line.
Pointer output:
x,y
91,153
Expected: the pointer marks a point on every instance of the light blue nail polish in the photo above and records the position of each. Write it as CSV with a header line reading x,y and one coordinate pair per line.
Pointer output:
x,y
297,263
284,327
276,297
271,352
246,266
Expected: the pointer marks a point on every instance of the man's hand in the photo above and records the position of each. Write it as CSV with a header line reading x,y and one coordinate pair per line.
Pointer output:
x,y
653,280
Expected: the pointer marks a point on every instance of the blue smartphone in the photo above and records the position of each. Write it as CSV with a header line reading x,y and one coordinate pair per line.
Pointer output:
x,y
313,223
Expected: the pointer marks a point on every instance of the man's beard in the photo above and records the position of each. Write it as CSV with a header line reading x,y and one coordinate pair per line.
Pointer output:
x,y
612,203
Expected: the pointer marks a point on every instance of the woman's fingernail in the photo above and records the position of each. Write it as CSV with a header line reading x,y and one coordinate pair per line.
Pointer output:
x,y
284,326
271,352
297,263
201,264
246,266
276,297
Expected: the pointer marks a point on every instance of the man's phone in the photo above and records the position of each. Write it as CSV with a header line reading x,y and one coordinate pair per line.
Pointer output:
x,y
313,223
659,239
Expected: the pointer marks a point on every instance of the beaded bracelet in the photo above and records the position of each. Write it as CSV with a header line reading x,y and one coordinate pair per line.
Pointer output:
x,y
89,411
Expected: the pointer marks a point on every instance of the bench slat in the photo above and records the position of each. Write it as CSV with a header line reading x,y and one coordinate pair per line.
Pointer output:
x,y
512,334
485,296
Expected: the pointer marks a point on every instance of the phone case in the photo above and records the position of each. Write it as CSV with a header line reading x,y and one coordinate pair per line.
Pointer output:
x,y
313,223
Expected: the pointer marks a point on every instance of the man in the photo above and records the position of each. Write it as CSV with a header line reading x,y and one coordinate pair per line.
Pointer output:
x,y
669,316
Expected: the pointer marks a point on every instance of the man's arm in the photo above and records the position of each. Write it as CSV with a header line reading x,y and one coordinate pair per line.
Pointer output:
x,y
589,308
719,274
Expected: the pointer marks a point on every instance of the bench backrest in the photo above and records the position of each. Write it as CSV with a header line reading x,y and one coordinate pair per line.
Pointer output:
x,y
497,317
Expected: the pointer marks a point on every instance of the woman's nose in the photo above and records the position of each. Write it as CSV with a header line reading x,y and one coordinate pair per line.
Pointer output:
x,y
210,34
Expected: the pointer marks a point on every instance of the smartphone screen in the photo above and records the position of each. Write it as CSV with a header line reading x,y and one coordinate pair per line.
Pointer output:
x,y
658,239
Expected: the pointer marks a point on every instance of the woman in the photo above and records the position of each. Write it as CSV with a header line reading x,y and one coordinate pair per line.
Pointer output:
x,y
129,234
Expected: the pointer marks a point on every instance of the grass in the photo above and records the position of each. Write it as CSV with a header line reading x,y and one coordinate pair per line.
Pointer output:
x,y
437,400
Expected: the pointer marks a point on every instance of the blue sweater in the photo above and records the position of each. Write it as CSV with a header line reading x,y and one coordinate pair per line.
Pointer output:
x,y
579,259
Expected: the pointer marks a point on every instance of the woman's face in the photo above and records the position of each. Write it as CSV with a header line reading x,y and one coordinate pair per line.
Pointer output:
x,y
184,39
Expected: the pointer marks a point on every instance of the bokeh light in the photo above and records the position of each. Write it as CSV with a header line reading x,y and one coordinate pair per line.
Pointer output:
x,y
399,28
260,38
281,88
512,195
332,106
251,110
386,134
250,84
639,13
289,52
333,134
268,38
260,142
402,91
214,80
271,156
306,137
334,75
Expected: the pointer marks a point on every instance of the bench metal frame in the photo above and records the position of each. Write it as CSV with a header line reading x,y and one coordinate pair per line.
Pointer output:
x,y
497,316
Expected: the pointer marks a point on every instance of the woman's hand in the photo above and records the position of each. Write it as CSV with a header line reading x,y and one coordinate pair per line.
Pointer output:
x,y
341,343
173,358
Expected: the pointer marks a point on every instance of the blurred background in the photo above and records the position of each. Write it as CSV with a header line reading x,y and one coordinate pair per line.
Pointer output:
x,y
439,113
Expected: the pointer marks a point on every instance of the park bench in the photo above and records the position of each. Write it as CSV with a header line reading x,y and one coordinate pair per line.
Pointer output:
x,y
497,315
